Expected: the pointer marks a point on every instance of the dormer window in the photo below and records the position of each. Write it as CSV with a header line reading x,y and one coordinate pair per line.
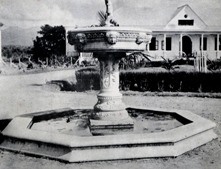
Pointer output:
x,y
186,22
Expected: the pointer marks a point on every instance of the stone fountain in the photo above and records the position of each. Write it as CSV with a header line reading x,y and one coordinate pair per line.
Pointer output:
x,y
33,134
109,44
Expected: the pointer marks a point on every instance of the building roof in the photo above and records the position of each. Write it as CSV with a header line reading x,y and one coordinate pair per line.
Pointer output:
x,y
157,18
187,10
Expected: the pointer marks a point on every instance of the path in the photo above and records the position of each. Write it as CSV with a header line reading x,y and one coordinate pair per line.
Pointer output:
x,y
22,94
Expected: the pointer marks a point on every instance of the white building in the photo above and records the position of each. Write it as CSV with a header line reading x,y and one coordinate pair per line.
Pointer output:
x,y
183,35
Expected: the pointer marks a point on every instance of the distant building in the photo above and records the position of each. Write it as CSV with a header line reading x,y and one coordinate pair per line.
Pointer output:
x,y
185,34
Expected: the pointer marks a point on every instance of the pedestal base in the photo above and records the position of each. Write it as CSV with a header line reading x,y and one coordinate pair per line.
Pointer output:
x,y
111,120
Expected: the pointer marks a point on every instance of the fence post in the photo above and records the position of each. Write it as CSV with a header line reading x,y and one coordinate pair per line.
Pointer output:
x,y
195,63
205,65
10,62
19,62
200,62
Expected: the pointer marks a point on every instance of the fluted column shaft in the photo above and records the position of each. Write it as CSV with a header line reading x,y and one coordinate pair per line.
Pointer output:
x,y
109,103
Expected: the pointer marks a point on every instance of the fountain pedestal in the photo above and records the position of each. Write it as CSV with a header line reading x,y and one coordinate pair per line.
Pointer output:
x,y
109,45
109,111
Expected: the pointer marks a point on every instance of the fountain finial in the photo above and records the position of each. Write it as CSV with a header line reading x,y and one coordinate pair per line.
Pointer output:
x,y
109,13
109,7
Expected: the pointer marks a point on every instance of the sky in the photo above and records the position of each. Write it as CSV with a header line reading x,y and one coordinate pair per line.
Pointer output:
x,y
32,13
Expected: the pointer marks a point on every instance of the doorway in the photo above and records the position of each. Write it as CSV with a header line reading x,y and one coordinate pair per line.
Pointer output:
x,y
187,45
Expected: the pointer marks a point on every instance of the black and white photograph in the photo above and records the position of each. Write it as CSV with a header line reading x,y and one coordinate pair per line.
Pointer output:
x,y
110,84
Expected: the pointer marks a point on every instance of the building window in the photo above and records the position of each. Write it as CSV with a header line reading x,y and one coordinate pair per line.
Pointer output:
x,y
168,43
189,22
153,44
204,43
219,43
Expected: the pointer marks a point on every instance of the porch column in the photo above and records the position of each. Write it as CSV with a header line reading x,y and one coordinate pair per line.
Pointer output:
x,y
1,60
181,45
164,44
204,66
217,46
202,55
0,46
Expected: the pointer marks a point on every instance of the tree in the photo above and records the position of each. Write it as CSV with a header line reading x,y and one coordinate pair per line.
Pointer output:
x,y
50,43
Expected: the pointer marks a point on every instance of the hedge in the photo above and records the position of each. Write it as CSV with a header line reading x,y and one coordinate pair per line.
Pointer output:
x,y
87,80
157,81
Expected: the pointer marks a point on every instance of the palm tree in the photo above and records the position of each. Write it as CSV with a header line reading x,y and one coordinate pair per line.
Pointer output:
x,y
170,64
102,18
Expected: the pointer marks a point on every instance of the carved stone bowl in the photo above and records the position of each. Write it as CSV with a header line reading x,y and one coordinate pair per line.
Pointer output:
x,y
109,39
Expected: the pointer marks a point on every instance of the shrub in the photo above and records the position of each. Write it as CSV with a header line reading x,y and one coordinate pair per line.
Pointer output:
x,y
87,80
16,53
167,81
214,65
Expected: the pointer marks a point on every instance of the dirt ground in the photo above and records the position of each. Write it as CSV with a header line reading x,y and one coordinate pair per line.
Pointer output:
x,y
22,94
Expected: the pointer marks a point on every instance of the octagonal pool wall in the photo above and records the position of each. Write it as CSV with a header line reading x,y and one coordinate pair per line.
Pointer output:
x,y
18,136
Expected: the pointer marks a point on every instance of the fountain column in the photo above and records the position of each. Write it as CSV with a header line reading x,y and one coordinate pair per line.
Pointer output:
x,y
109,111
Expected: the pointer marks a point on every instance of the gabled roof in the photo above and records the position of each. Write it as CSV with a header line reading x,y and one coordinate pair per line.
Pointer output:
x,y
158,17
185,13
184,7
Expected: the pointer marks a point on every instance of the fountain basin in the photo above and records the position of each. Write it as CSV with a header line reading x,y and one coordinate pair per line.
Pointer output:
x,y
77,123
109,39
193,131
